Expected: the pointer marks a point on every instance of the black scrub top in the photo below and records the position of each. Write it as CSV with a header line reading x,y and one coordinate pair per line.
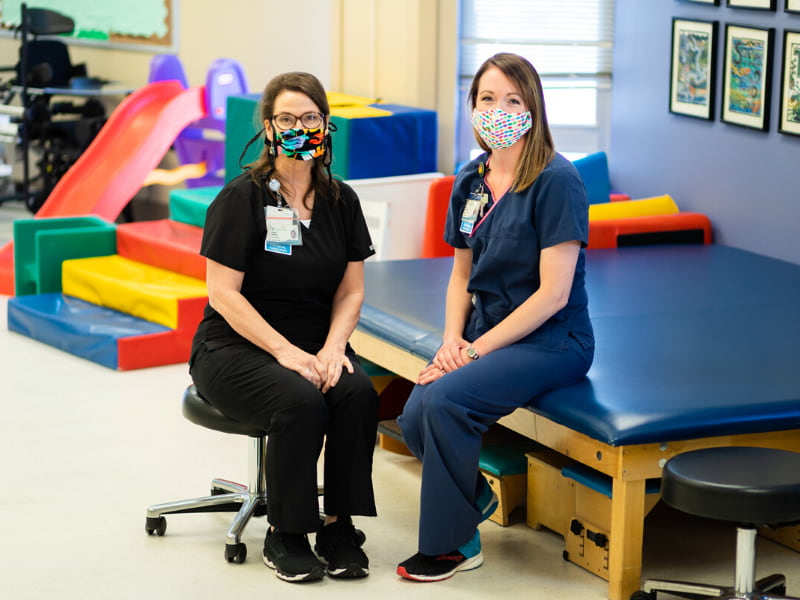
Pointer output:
x,y
294,293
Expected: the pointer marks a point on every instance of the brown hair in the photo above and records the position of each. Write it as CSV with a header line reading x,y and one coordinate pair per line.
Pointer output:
x,y
304,83
538,149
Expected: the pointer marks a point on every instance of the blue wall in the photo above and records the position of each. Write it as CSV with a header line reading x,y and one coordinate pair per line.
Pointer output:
x,y
746,181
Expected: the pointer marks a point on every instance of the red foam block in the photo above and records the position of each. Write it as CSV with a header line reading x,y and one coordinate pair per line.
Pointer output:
x,y
163,348
606,234
165,243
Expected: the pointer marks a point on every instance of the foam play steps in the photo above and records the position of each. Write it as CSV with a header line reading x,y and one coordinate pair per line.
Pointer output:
x,y
189,206
41,245
165,243
115,311
137,289
107,337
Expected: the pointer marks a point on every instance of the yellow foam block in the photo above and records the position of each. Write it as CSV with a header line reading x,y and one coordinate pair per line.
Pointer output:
x,y
339,99
130,287
646,207
359,112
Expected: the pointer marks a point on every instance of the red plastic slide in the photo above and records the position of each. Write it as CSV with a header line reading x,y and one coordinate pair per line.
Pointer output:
x,y
108,174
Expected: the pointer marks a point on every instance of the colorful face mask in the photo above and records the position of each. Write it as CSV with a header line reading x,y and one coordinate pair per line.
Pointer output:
x,y
301,144
500,129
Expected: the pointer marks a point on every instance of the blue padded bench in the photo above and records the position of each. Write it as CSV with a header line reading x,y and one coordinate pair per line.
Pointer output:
x,y
696,347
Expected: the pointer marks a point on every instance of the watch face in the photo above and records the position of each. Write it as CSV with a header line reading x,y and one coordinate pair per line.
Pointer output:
x,y
472,353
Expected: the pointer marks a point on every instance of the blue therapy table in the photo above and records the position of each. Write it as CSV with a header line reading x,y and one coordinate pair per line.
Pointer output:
x,y
697,346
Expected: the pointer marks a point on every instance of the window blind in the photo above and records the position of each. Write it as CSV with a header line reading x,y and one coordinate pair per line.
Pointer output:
x,y
569,42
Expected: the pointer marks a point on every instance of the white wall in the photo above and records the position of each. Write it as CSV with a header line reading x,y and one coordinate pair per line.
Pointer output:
x,y
245,30
400,52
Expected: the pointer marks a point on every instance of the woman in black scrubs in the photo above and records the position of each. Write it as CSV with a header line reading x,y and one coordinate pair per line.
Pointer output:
x,y
285,245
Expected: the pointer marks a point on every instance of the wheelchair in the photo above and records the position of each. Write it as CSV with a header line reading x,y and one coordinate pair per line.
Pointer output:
x,y
43,129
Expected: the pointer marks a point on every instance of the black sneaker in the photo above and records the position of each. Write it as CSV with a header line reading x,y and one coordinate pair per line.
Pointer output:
x,y
424,567
291,556
339,545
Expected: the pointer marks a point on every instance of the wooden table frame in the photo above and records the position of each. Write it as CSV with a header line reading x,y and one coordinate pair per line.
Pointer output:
x,y
628,466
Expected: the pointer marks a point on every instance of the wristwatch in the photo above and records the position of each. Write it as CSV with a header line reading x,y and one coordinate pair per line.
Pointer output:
x,y
472,353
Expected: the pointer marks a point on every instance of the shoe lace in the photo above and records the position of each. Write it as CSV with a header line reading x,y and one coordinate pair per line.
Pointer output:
x,y
344,536
295,543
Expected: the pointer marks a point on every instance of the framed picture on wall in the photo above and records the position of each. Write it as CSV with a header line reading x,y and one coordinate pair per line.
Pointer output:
x,y
747,76
759,4
789,121
694,55
792,6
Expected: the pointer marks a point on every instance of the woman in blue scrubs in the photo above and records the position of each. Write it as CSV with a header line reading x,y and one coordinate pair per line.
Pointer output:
x,y
516,316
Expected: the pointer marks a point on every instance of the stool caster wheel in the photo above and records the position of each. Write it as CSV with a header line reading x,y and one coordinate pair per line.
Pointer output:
x,y
639,595
235,553
157,525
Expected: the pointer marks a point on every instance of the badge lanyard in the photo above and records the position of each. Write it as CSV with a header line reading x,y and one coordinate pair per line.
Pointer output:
x,y
283,225
475,205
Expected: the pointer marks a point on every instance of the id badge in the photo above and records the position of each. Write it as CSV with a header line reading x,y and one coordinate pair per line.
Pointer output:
x,y
473,208
283,227
278,248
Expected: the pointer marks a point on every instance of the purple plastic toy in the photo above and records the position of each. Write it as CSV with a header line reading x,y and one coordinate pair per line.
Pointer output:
x,y
204,140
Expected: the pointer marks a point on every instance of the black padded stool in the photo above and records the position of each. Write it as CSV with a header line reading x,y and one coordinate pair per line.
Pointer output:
x,y
226,496
752,487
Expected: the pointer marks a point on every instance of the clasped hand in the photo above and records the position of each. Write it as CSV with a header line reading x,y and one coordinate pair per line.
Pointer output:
x,y
450,356
323,370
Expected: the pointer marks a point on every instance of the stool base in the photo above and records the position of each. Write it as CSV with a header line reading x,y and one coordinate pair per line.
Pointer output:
x,y
226,496
745,587
773,583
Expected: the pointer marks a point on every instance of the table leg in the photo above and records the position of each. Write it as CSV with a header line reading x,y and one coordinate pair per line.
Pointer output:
x,y
627,532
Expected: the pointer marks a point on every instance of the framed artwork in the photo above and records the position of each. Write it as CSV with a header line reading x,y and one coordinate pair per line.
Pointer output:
x,y
789,121
747,76
757,4
691,86
792,6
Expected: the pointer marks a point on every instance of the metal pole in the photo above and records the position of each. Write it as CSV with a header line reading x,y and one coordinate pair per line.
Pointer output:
x,y
745,561
23,75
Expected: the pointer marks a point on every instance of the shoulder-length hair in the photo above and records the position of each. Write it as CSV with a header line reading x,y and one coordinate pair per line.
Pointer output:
x,y
538,149
305,83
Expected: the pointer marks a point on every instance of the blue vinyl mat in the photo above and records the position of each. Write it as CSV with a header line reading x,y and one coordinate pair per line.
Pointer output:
x,y
75,326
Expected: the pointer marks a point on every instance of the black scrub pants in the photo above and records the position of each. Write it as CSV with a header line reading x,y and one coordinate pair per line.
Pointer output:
x,y
249,385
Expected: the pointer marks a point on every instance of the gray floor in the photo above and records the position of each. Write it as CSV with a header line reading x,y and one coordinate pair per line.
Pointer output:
x,y
84,450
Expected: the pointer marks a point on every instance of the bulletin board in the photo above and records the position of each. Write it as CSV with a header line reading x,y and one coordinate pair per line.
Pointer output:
x,y
147,25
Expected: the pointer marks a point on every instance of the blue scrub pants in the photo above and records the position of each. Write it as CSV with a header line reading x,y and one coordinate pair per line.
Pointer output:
x,y
443,423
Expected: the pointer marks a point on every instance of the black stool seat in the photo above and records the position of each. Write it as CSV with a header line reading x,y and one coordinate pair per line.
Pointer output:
x,y
246,500
750,486
201,412
226,496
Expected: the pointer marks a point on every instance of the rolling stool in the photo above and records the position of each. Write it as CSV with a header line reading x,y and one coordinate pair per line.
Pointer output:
x,y
226,496
752,487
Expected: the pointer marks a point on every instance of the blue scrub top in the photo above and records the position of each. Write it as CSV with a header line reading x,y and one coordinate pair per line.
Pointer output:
x,y
506,248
